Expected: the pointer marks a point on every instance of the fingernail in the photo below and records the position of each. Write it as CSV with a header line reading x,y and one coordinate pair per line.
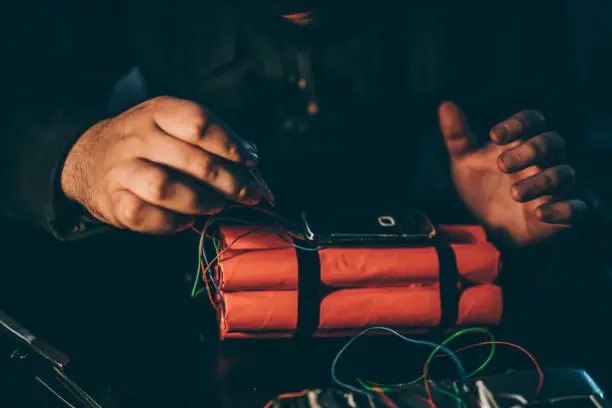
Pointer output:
x,y
499,134
255,197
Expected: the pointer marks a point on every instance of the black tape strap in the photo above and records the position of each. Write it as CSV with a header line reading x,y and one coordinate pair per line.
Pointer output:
x,y
449,290
309,292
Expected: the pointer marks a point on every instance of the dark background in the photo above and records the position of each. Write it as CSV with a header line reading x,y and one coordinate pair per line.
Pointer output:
x,y
156,354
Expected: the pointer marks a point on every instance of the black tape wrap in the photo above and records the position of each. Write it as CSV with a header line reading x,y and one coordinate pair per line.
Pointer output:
x,y
449,286
309,290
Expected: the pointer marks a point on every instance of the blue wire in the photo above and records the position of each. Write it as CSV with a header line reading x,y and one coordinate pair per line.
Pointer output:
x,y
460,368
304,248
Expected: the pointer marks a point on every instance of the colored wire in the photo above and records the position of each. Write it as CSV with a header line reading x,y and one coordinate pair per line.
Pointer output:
x,y
460,401
293,244
285,396
203,262
527,353
218,256
460,333
194,290
434,354
460,368
448,340
205,265
388,401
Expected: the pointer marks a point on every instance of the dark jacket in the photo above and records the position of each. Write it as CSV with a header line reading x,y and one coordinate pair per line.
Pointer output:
x,y
376,73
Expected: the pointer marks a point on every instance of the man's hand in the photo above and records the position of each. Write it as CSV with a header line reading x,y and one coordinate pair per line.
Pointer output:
x,y
158,165
516,184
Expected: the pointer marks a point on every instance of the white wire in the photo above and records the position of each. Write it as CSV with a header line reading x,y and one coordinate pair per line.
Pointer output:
x,y
487,400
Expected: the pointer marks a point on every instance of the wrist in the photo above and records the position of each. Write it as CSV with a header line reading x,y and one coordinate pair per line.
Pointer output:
x,y
67,180
74,169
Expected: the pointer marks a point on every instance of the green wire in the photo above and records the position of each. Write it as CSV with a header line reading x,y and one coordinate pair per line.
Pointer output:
x,y
457,390
453,337
460,401
399,387
194,290
216,248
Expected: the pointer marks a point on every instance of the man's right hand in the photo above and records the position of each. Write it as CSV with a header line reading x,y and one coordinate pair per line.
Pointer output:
x,y
157,166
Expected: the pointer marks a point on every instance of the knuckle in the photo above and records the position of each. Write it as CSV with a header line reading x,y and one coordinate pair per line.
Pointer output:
x,y
163,100
233,151
212,131
534,150
130,212
158,186
207,169
191,199
197,117
234,189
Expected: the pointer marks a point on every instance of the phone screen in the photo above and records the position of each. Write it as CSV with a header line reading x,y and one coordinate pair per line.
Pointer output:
x,y
358,225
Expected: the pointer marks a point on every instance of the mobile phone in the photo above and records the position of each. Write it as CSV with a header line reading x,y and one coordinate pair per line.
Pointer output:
x,y
347,226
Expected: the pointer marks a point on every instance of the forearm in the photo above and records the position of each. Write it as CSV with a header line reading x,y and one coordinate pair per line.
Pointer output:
x,y
36,142
53,89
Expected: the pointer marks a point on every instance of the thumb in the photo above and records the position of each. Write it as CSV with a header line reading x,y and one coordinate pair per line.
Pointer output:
x,y
458,137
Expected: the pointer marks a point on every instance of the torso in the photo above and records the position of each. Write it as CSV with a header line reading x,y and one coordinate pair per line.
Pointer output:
x,y
371,90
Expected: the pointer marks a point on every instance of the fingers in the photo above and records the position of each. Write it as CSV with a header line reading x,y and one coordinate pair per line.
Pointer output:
x,y
133,213
562,212
524,124
550,181
164,188
193,124
457,135
231,180
537,150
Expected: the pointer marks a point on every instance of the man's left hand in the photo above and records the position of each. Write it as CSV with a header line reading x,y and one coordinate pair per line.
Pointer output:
x,y
517,184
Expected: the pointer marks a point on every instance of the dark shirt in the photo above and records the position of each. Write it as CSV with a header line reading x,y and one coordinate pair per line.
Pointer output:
x,y
376,73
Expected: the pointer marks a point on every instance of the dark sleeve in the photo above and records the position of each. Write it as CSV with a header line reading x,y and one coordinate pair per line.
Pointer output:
x,y
60,60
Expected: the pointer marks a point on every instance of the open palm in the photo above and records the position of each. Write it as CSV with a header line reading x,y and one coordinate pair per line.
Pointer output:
x,y
505,183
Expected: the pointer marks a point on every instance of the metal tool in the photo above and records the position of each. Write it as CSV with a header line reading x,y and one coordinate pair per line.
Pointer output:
x,y
46,365
267,192
41,348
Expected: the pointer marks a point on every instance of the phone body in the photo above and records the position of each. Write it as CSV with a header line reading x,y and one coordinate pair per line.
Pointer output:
x,y
354,226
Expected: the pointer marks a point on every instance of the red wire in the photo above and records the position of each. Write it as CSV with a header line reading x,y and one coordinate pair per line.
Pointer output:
x,y
205,268
285,396
385,398
217,258
422,398
485,343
